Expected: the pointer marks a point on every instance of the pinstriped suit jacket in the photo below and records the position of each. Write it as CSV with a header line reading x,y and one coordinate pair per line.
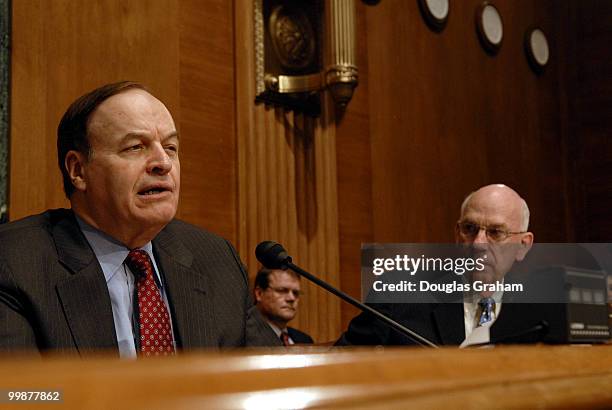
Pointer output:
x,y
53,295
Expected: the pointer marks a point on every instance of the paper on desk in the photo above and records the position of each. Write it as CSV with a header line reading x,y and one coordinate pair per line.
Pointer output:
x,y
479,336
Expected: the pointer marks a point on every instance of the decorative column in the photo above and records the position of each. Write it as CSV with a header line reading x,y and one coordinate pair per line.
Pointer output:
x,y
341,74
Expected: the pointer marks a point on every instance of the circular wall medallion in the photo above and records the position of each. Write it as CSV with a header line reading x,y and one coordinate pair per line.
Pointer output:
x,y
536,47
435,12
292,37
490,27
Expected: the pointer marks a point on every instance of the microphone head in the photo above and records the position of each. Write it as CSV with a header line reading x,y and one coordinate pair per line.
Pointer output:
x,y
272,255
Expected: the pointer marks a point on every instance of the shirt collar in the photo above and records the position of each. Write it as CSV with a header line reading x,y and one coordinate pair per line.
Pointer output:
x,y
110,253
474,297
276,329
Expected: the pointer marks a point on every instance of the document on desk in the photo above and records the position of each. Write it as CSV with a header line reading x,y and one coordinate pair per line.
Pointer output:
x,y
479,336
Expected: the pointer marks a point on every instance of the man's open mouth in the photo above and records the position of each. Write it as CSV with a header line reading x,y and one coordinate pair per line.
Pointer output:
x,y
155,190
152,191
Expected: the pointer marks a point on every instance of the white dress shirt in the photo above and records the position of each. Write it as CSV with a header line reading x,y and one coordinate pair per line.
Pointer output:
x,y
111,255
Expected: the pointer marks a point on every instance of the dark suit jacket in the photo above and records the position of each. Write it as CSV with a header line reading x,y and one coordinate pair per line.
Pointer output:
x,y
53,295
439,318
298,336
443,324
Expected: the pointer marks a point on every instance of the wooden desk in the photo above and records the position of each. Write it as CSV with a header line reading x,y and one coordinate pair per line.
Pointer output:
x,y
391,378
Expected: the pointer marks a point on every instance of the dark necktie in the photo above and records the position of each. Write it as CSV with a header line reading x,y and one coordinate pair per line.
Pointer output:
x,y
154,321
284,336
487,306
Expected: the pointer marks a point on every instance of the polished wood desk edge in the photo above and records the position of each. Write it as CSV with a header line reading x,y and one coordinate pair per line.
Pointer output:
x,y
515,376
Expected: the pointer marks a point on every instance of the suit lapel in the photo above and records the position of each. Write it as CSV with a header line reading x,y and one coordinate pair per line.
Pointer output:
x,y
449,321
187,290
84,295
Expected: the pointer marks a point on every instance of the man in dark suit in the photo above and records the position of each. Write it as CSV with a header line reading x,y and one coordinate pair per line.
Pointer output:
x,y
116,271
494,222
277,295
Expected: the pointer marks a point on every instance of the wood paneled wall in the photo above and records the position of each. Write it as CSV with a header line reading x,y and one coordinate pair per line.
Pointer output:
x,y
355,219
588,115
449,118
62,49
209,186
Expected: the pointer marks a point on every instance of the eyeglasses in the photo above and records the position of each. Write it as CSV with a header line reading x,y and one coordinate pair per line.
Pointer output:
x,y
470,230
285,291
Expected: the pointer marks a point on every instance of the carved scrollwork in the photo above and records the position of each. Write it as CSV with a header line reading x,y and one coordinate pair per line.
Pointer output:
x,y
293,37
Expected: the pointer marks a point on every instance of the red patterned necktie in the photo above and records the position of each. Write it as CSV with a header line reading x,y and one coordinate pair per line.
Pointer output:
x,y
154,320
285,338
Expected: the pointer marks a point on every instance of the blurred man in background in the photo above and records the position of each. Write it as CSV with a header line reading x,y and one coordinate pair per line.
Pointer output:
x,y
277,296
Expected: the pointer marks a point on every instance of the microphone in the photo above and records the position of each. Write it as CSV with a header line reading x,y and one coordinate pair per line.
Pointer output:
x,y
539,330
272,255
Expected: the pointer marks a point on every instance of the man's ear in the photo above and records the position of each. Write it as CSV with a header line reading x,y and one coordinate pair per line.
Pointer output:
x,y
75,165
526,242
258,292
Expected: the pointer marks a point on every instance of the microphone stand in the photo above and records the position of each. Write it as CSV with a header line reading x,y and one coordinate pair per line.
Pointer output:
x,y
361,306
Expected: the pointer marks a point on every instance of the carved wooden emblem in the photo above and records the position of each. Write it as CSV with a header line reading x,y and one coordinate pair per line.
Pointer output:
x,y
292,36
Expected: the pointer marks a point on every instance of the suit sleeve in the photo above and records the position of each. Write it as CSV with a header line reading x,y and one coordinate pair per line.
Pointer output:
x,y
257,331
365,329
16,333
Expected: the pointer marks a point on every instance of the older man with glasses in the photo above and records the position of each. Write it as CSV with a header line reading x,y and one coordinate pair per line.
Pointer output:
x,y
493,224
